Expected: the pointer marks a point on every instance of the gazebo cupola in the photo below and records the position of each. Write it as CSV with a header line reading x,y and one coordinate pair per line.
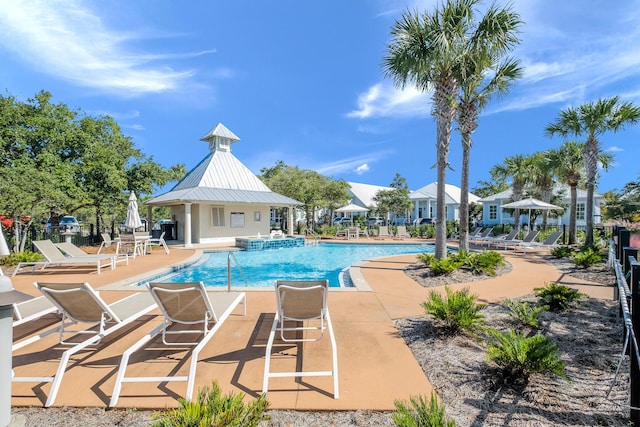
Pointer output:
x,y
220,139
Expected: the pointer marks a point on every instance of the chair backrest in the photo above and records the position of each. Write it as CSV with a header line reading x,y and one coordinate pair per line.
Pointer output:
x,y
70,249
401,229
301,299
383,230
106,238
161,238
476,232
531,236
552,238
185,302
49,250
79,301
486,232
512,234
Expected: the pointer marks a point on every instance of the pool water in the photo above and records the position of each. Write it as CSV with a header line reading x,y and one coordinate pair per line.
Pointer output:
x,y
262,268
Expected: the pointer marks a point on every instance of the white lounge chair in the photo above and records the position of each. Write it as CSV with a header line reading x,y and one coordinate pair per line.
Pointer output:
x,y
80,303
401,232
383,232
150,243
72,251
53,256
530,237
549,242
502,238
305,302
182,304
484,234
31,309
107,242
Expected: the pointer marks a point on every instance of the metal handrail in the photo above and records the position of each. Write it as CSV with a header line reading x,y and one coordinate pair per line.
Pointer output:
x,y
229,256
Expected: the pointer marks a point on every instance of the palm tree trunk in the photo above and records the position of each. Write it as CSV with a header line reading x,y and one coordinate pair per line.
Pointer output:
x,y
464,194
590,156
573,188
444,113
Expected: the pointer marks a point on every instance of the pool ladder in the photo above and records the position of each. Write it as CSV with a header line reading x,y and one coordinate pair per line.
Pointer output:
x,y
235,260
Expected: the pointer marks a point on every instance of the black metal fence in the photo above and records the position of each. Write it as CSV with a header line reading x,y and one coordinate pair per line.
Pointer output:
x,y
624,259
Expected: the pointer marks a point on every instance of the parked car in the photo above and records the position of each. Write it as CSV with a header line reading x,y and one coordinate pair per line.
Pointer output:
x,y
373,221
399,220
421,221
343,220
67,223
158,225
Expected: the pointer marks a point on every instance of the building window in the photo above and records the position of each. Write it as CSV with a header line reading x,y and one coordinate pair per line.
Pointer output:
x,y
217,216
237,219
493,212
580,209
256,216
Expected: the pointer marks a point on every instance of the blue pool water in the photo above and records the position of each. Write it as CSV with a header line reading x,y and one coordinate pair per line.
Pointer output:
x,y
262,268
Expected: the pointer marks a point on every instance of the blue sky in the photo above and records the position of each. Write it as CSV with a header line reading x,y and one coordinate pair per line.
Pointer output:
x,y
302,81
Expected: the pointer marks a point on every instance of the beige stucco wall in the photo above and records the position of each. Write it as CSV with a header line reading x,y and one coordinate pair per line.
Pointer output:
x,y
243,223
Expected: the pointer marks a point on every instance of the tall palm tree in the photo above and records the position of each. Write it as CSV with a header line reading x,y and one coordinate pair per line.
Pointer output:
x,y
592,120
481,76
427,50
568,165
518,168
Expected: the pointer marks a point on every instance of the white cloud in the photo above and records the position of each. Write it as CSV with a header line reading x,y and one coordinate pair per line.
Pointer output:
x,y
360,170
383,100
352,164
65,39
614,149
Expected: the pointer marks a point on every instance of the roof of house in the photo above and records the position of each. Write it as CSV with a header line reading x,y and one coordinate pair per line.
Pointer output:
x,y
221,177
558,188
452,193
364,193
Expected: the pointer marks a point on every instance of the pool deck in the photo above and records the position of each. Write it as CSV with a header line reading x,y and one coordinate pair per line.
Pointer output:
x,y
375,365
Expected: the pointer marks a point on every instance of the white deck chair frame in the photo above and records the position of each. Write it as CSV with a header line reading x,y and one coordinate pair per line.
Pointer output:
x,y
159,241
120,314
53,256
218,310
74,252
32,309
316,291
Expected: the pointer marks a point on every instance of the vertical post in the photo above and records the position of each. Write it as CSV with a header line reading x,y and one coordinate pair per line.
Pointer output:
x,y
635,368
624,238
187,225
626,266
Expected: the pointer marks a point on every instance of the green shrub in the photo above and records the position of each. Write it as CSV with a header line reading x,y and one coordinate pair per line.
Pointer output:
x,y
212,409
460,256
426,258
443,266
419,413
485,262
525,312
457,311
586,257
518,356
558,297
561,251
16,258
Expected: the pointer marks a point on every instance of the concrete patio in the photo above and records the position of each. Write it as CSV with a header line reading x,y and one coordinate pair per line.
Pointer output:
x,y
375,365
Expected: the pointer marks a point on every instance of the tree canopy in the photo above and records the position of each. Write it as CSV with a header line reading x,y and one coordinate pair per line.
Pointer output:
x,y
55,160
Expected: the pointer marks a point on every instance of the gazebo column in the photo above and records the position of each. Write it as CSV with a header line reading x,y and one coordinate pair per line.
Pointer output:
x,y
149,217
290,230
187,225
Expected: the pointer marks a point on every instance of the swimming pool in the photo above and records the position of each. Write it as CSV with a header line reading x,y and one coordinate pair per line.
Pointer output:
x,y
262,268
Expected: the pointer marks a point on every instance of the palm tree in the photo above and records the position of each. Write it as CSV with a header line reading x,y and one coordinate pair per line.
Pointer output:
x,y
568,164
518,168
427,50
542,174
480,76
593,119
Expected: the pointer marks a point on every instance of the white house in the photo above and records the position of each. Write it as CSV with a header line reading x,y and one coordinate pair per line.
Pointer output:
x,y
492,212
425,201
220,198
